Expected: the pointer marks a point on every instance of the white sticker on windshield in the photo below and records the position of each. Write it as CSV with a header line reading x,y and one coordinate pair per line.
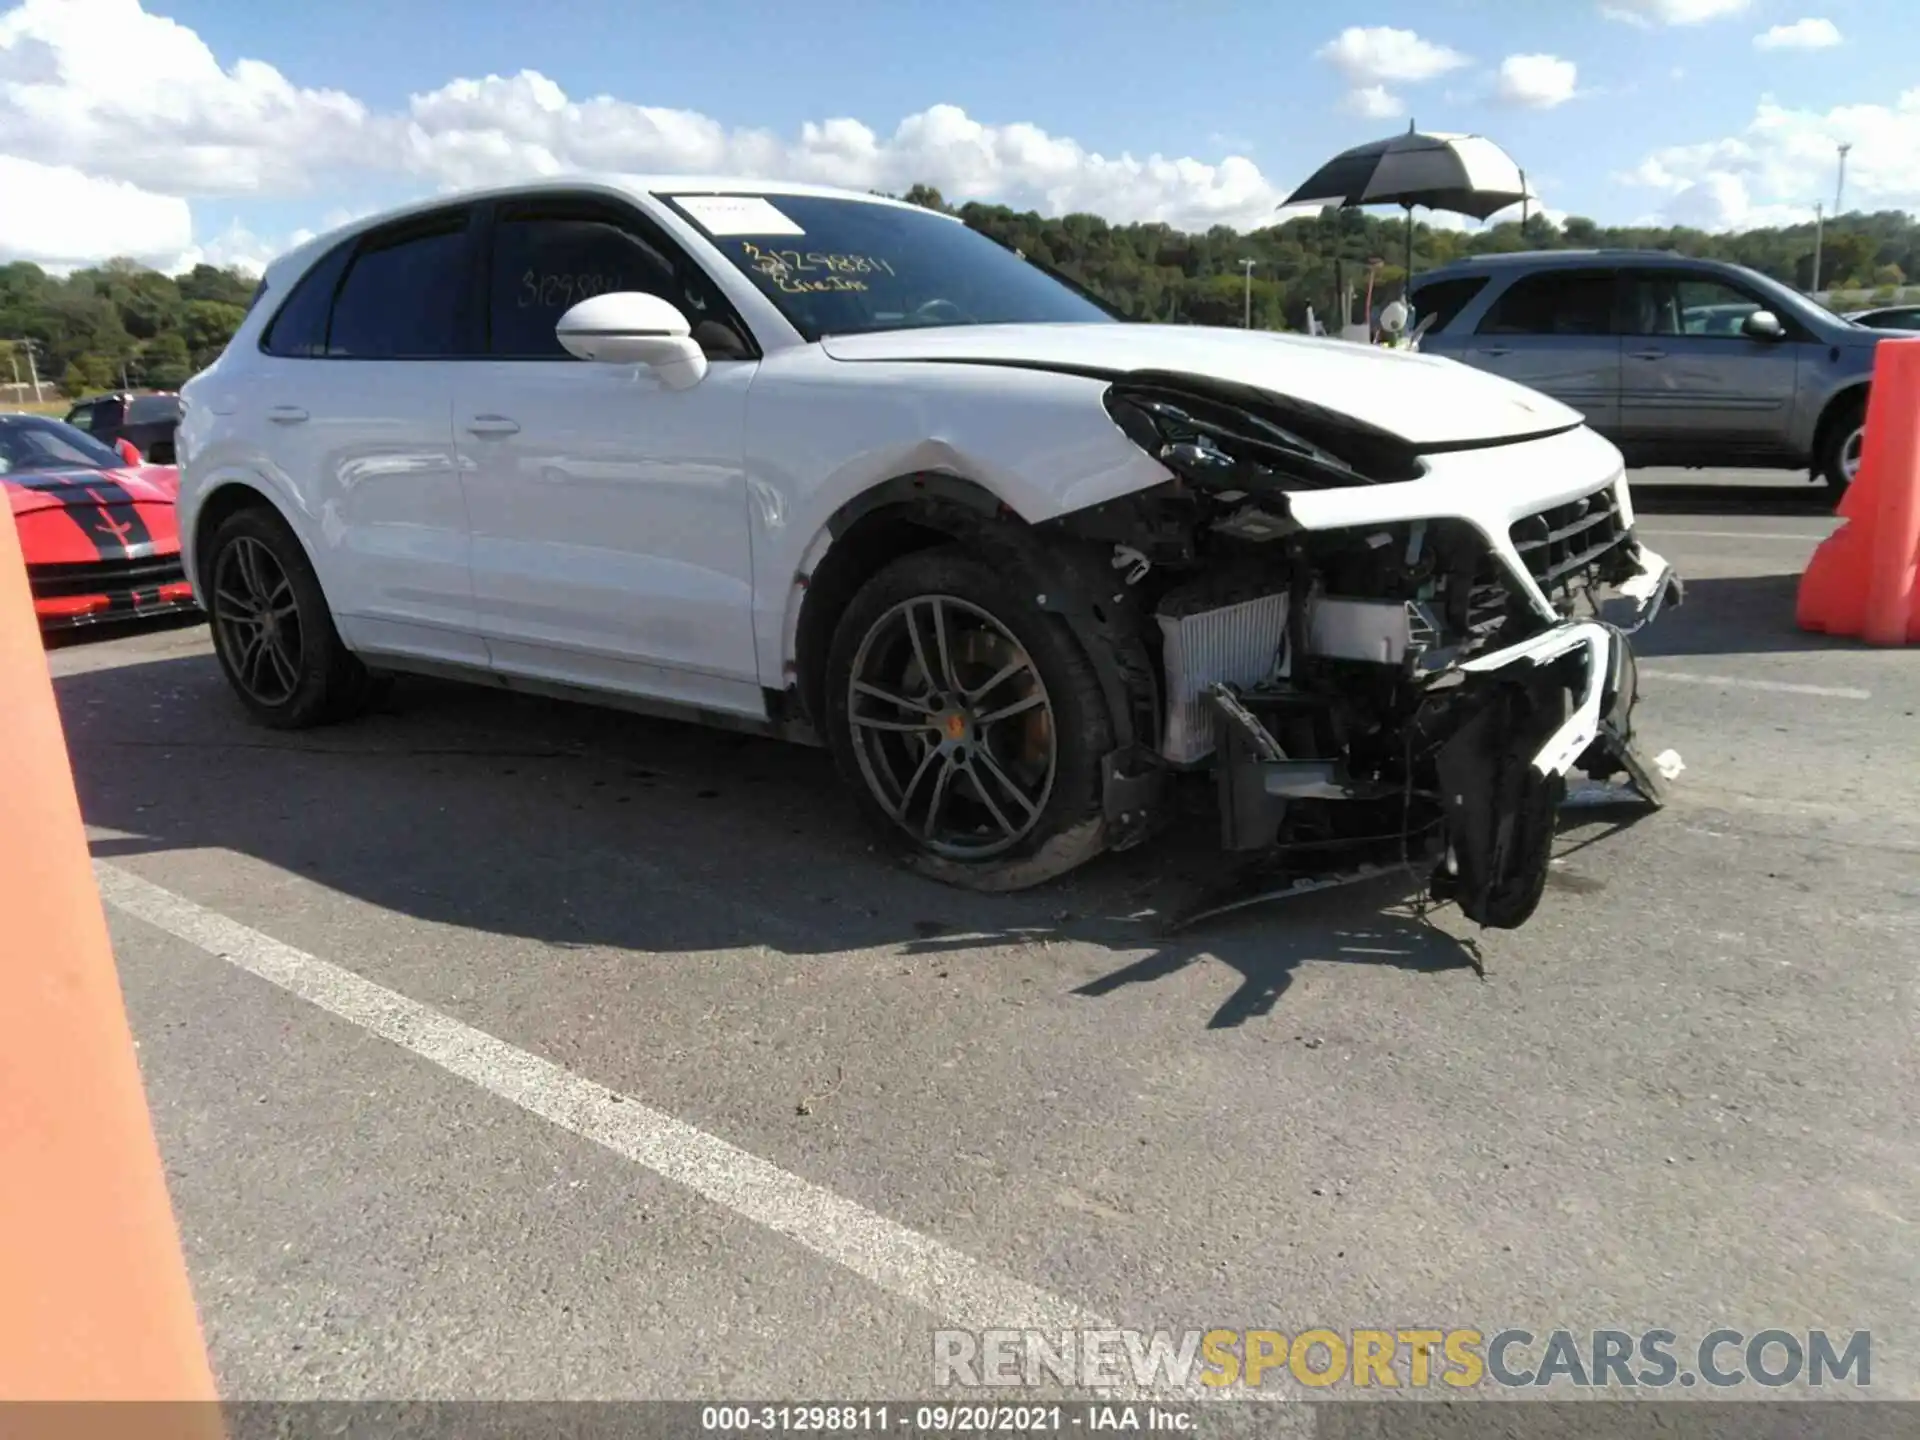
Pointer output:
x,y
737,215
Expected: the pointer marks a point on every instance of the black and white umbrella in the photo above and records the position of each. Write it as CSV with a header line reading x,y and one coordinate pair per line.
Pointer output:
x,y
1466,174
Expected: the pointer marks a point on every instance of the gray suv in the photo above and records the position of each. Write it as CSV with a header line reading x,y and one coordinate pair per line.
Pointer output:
x,y
1677,361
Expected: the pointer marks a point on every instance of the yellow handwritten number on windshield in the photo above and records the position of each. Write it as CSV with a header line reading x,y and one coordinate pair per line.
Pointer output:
x,y
784,266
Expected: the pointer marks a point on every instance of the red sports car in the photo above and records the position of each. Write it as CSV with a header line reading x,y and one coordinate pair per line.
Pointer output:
x,y
96,527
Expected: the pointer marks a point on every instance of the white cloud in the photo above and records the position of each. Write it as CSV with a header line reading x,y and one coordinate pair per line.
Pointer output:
x,y
1785,159
238,247
1801,35
105,87
1376,102
111,91
1538,82
59,217
1648,13
1369,55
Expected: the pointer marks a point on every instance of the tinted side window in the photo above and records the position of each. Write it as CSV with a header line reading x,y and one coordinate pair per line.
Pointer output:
x,y
81,417
153,409
1444,299
1554,302
400,298
549,256
1676,303
299,328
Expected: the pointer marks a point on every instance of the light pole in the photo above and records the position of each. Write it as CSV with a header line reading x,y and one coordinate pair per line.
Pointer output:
x,y
1840,184
33,368
1818,226
1247,318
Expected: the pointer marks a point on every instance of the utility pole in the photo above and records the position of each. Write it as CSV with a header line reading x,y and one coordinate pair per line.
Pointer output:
x,y
1840,184
1818,225
33,369
1247,266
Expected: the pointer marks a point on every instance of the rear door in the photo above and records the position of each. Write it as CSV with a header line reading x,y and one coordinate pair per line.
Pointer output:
x,y
1553,331
353,404
1690,378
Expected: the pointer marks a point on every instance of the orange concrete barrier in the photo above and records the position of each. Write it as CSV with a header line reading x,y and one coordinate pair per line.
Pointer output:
x,y
1864,579
94,1299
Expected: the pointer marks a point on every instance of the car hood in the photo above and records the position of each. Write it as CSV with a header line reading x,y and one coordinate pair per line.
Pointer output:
x,y
1424,400
30,490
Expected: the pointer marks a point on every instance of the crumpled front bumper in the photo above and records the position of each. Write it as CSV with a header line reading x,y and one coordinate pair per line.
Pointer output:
x,y
1608,687
1502,731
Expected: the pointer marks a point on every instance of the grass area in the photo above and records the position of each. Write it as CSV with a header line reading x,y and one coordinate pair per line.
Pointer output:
x,y
28,407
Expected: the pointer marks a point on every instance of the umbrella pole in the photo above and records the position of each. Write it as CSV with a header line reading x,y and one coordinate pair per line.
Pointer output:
x,y
1406,281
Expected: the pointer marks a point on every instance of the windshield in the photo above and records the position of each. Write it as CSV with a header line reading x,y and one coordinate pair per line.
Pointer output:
x,y
1788,301
846,267
35,444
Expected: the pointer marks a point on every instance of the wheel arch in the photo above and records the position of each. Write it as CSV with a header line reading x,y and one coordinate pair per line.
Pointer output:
x,y
896,517
224,498
1830,412
918,511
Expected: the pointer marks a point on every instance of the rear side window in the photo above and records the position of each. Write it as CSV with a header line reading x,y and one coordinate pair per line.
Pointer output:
x,y
1554,302
1445,299
401,296
298,329
153,409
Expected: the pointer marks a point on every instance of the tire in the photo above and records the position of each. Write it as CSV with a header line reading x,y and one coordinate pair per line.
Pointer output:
x,y
290,671
962,752
1838,436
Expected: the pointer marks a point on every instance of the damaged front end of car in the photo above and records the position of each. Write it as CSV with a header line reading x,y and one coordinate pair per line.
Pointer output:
x,y
1384,655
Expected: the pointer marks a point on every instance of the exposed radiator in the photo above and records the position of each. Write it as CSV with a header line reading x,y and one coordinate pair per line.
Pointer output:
x,y
1241,644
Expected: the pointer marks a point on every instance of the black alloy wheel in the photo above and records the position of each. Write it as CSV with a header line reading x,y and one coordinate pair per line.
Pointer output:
x,y
272,630
258,620
953,727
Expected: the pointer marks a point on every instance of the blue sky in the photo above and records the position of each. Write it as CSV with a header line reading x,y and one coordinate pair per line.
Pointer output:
x,y
1618,109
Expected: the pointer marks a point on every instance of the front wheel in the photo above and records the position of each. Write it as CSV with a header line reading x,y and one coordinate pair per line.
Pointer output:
x,y
969,722
1841,443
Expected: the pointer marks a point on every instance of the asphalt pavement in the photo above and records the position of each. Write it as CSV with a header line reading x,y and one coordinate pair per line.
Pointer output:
x,y
507,1048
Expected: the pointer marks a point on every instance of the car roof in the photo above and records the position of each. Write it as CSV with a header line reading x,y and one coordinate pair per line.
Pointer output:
x,y
1566,260
620,182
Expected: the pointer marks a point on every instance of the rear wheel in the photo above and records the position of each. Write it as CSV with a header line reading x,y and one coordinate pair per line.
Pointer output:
x,y
1842,440
272,631
969,722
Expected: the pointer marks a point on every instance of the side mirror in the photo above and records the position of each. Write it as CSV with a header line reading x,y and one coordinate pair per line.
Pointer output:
x,y
628,327
129,451
1762,325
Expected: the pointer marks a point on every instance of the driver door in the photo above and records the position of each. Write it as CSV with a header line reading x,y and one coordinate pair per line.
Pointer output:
x,y
609,513
1690,378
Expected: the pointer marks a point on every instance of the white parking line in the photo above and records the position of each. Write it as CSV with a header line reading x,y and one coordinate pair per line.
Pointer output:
x,y
1787,687
959,1289
1732,535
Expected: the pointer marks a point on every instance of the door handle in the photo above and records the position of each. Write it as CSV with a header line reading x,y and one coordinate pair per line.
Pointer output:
x,y
286,414
1494,352
492,425
1646,354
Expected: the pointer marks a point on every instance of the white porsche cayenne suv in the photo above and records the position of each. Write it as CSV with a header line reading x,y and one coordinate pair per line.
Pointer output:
x,y
843,470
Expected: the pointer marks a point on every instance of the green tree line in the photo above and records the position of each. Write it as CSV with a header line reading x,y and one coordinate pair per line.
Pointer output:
x,y
123,324
119,323
1155,272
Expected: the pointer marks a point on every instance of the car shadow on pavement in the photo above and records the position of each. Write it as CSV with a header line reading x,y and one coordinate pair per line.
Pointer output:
x,y
580,827
1365,926
1732,615
1654,498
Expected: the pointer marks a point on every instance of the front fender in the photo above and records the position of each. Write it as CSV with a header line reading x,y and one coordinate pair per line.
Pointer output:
x,y
823,435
